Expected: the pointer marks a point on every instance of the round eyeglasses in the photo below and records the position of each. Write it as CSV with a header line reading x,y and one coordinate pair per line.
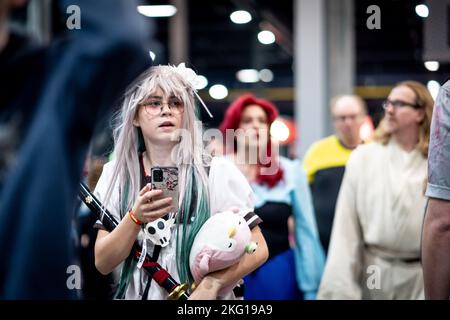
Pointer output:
x,y
155,106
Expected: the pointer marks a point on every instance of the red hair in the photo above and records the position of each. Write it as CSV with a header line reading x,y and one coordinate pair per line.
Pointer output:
x,y
232,120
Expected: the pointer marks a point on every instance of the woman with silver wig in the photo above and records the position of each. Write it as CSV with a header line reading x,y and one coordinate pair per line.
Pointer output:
x,y
157,126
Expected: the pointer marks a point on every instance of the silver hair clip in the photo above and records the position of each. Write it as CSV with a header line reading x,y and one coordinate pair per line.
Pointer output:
x,y
203,104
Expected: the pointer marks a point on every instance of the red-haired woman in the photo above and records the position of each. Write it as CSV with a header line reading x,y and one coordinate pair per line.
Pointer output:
x,y
281,191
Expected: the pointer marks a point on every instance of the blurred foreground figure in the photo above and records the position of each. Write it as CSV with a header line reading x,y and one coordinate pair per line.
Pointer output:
x,y
436,232
374,251
52,98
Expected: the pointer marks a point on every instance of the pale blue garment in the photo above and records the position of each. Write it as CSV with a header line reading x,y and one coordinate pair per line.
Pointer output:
x,y
439,150
294,191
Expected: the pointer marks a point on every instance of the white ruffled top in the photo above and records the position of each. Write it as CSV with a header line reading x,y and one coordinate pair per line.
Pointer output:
x,y
227,188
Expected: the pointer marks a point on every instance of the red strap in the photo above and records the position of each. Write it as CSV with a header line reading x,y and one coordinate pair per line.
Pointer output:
x,y
159,276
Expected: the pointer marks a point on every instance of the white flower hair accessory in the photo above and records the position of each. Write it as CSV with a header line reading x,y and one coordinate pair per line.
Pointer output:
x,y
191,77
187,73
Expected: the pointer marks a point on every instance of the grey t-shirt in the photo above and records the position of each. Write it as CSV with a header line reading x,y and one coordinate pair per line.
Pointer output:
x,y
439,151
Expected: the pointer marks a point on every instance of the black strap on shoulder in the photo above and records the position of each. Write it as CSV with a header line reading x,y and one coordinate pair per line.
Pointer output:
x,y
144,180
156,249
147,289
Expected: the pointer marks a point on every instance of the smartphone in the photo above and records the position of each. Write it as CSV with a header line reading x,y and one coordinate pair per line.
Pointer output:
x,y
166,179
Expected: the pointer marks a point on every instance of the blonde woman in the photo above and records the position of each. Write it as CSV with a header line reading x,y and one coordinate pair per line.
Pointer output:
x,y
156,127
375,243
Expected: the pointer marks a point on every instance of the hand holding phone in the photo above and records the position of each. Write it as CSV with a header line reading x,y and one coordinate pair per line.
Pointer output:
x,y
166,179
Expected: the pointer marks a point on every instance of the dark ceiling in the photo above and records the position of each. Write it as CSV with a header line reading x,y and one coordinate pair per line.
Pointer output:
x,y
219,48
393,53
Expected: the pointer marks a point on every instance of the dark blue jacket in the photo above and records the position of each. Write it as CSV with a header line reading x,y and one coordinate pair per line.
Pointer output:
x,y
53,97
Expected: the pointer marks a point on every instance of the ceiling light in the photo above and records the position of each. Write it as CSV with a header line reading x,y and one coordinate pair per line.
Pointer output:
x,y
266,37
241,17
266,75
157,11
218,91
247,75
432,65
422,10
201,82
152,55
279,130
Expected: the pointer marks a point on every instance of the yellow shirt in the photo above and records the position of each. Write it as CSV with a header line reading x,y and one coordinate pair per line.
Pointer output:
x,y
324,154
325,166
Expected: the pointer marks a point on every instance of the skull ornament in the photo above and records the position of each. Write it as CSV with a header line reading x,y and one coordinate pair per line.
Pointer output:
x,y
159,231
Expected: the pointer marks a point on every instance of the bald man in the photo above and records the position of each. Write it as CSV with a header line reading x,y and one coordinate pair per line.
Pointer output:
x,y
325,160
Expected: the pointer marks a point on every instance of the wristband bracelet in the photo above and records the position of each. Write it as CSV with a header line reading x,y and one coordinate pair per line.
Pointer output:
x,y
135,220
